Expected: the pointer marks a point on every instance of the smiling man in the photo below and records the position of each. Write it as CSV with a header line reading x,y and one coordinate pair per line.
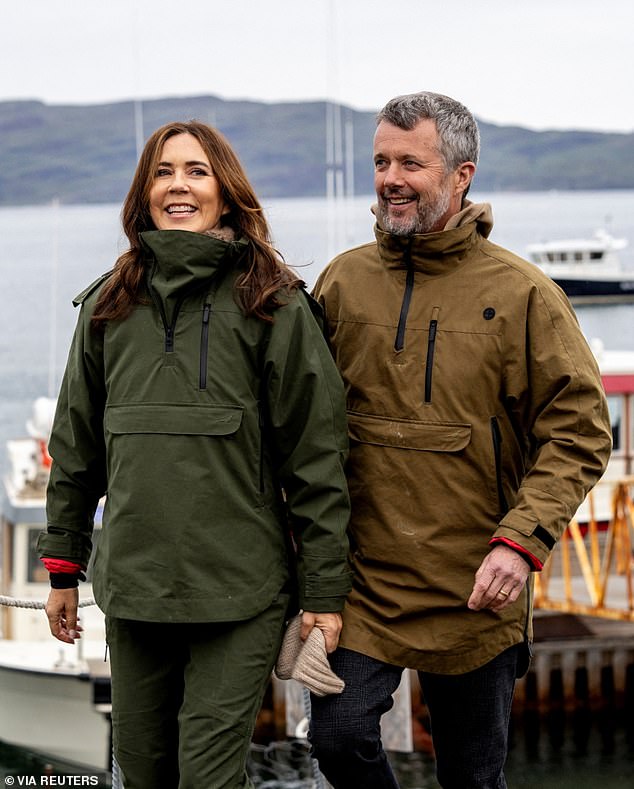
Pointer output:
x,y
477,425
417,191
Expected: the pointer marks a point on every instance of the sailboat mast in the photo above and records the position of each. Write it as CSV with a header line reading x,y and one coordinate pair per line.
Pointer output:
x,y
52,334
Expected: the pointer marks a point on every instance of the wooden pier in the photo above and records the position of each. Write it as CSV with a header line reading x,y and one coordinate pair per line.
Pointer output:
x,y
579,661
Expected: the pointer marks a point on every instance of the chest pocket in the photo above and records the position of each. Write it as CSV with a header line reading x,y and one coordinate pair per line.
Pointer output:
x,y
408,433
181,419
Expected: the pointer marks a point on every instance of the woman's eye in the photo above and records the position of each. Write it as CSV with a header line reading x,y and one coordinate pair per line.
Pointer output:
x,y
162,171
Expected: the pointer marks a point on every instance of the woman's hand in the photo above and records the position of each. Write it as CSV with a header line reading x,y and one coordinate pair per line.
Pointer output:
x,y
61,610
329,624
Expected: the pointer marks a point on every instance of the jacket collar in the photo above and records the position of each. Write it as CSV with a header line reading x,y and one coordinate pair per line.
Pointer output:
x,y
441,252
180,261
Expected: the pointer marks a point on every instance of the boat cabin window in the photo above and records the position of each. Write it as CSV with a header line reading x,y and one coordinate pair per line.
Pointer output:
x,y
36,572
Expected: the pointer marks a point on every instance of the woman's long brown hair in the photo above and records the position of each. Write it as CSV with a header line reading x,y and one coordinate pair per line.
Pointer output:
x,y
266,274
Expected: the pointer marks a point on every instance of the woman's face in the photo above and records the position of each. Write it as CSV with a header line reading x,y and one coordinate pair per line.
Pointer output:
x,y
185,194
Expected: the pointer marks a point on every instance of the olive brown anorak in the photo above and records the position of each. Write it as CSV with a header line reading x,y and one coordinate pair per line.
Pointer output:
x,y
475,412
212,434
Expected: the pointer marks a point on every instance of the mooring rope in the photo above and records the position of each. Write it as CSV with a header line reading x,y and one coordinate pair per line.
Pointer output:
x,y
12,602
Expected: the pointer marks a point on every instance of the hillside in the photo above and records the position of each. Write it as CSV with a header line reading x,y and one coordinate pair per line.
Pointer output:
x,y
87,153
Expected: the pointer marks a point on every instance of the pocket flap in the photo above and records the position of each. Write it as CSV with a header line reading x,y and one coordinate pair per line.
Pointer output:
x,y
408,433
173,419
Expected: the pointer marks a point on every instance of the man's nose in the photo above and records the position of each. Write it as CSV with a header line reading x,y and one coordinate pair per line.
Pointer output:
x,y
393,175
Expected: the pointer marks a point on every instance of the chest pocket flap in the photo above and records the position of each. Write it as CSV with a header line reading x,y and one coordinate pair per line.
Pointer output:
x,y
408,433
181,419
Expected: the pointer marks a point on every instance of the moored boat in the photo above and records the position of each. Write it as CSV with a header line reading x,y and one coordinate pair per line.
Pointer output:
x,y
586,269
55,697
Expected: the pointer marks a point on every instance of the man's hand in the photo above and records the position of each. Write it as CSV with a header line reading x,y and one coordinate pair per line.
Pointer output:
x,y
329,624
499,580
61,610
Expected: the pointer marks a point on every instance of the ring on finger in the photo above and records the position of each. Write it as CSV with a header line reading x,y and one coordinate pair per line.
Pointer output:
x,y
503,593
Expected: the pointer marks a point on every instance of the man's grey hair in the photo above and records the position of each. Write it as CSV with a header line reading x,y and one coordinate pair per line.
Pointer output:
x,y
457,128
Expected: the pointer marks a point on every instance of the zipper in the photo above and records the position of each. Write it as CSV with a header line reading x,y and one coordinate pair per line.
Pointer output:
x,y
262,434
399,342
169,328
497,454
431,348
204,346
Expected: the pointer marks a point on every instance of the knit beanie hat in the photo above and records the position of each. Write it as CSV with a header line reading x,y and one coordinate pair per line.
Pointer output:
x,y
307,661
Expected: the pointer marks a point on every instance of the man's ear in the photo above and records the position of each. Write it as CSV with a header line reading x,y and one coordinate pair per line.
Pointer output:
x,y
464,175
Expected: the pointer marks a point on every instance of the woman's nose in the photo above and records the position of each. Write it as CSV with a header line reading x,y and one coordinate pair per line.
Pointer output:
x,y
179,183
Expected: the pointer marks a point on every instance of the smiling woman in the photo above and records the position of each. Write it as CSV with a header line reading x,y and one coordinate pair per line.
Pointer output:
x,y
185,194
201,395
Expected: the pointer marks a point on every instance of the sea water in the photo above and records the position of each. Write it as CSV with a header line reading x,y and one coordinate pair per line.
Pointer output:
x,y
50,253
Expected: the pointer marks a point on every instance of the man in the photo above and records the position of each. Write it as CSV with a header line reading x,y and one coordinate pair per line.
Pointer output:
x,y
477,423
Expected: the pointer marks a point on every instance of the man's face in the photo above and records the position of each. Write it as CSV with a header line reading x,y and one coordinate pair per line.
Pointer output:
x,y
415,193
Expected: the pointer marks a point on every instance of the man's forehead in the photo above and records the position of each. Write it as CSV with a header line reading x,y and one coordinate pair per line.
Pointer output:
x,y
423,136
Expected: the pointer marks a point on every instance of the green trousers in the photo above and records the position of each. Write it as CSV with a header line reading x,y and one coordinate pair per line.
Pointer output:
x,y
185,698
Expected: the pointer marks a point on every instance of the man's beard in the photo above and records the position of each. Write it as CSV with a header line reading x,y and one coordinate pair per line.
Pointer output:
x,y
425,219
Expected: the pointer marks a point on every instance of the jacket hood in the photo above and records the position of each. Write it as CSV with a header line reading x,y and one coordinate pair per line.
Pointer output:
x,y
180,261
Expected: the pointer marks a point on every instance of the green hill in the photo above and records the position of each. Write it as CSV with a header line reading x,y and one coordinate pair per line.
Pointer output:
x,y
87,153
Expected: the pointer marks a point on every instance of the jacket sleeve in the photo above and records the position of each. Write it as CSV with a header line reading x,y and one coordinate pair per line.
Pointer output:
x,y
306,411
78,477
556,401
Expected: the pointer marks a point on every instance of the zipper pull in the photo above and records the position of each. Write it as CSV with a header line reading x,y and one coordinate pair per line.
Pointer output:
x,y
169,339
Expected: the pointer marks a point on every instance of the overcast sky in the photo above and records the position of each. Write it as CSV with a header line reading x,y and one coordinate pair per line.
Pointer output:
x,y
559,64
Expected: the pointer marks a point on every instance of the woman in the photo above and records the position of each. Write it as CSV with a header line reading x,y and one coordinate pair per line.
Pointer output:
x,y
200,394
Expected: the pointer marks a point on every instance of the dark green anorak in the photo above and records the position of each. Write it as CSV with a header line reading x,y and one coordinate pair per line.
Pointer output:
x,y
212,434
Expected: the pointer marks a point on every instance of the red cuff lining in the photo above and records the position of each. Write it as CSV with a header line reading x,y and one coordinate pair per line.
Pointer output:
x,y
62,566
532,560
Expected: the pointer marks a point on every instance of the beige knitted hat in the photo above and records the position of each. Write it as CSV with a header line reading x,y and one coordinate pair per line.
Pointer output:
x,y
307,661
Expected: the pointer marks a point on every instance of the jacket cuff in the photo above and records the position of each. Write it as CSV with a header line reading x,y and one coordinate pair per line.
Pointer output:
x,y
526,532
65,580
324,595
525,554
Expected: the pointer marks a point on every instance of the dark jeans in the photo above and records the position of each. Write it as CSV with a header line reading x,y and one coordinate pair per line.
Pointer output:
x,y
469,716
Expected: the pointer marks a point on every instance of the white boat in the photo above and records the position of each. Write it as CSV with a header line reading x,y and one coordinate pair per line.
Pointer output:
x,y
586,269
55,697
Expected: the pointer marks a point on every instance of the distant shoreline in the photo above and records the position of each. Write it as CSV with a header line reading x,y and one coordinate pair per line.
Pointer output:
x,y
86,154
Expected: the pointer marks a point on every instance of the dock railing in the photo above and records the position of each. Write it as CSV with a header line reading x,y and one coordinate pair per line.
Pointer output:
x,y
591,570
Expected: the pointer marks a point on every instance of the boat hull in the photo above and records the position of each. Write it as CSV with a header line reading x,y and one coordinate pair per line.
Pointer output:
x,y
599,289
62,712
